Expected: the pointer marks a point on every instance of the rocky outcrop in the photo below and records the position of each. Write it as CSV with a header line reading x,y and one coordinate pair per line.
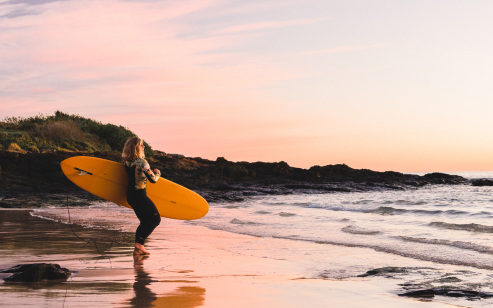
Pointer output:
x,y
36,272
35,173
448,285
427,293
482,182
384,271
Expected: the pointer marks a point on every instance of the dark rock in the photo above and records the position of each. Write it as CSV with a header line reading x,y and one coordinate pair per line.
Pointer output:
x,y
443,178
384,271
227,188
420,293
482,182
449,293
308,186
299,186
36,272
438,175
451,279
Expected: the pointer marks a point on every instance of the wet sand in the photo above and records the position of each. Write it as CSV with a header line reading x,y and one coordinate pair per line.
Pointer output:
x,y
190,266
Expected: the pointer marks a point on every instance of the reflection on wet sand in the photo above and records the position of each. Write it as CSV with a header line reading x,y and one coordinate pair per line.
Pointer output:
x,y
182,297
27,239
24,234
143,294
102,279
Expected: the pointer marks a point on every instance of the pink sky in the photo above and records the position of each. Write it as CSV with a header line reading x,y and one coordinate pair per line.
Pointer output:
x,y
378,85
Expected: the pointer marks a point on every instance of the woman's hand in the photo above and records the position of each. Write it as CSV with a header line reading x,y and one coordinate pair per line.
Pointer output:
x,y
156,171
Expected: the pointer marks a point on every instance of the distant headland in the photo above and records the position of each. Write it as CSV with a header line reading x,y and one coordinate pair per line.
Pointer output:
x,y
31,150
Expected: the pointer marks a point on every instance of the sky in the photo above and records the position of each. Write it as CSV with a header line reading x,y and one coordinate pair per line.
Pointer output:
x,y
376,84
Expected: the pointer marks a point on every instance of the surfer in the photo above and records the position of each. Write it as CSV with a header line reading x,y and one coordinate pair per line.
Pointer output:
x,y
139,172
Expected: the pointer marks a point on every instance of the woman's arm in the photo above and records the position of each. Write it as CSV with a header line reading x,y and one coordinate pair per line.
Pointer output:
x,y
151,175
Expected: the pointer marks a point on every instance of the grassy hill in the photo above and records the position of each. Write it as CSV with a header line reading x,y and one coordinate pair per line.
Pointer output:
x,y
63,132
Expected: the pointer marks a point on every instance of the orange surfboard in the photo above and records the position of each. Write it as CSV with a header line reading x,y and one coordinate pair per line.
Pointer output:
x,y
109,180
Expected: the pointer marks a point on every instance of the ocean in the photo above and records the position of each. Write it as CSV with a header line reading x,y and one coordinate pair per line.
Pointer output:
x,y
440,236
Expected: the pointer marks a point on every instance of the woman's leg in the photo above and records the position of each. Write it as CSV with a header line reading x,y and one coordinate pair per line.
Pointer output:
x,y
148,215
146,227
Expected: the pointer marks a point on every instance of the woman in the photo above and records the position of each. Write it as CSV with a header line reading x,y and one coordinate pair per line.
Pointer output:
x,y
139,172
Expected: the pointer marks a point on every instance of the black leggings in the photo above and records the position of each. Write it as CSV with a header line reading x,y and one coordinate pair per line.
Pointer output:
x,y
146,212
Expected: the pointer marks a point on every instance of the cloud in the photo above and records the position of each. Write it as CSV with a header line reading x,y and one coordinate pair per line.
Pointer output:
x,y
225,77
28,2
267,25
348,48
96,55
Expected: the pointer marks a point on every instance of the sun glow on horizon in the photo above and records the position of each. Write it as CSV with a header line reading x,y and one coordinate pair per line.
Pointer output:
x,y
381,86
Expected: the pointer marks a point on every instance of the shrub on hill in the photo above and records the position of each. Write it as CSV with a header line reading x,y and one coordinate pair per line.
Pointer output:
x,y
64,131
59,131
14,147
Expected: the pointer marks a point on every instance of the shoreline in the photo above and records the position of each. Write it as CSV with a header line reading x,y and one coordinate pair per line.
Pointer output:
x,y
190,266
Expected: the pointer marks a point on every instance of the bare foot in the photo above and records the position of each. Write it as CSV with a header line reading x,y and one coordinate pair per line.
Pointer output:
x,y
140,250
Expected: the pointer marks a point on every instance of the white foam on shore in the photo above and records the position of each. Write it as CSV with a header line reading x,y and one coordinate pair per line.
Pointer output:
x,y
342,235
192,266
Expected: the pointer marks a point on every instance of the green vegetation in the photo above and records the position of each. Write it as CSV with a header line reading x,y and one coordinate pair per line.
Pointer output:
x,y
63,132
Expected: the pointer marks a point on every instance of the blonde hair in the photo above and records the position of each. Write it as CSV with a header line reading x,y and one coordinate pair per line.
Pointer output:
x,y
131,150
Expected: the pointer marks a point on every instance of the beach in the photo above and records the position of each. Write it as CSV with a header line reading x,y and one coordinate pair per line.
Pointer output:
x,y
190,266
339,153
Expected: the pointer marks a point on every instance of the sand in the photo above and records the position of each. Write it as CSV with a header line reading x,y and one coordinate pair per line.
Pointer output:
x,y
190,266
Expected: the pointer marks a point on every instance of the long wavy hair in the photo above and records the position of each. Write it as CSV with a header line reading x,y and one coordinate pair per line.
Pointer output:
x,y
131,150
